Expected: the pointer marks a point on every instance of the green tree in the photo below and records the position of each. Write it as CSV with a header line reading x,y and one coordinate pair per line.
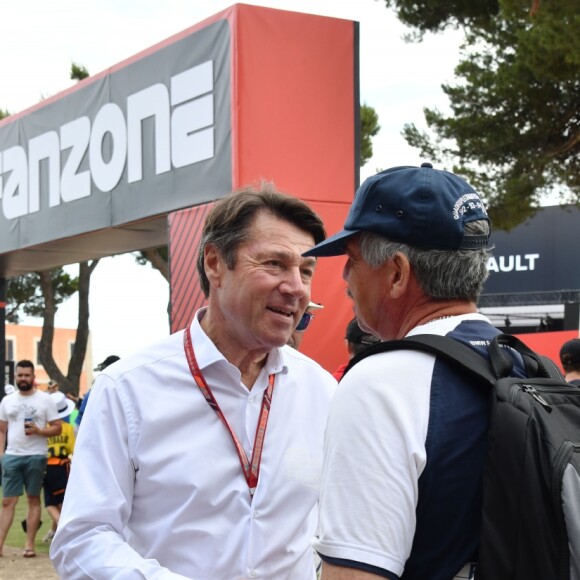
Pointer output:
x,y
514,127
369,121
437,15
39,294
51,294
78,72
25,293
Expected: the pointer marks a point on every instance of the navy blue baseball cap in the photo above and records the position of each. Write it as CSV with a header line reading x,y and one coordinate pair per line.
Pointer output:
x,y
419,206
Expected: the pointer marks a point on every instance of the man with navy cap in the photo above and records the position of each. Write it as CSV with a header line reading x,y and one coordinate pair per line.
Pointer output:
x,y
405,442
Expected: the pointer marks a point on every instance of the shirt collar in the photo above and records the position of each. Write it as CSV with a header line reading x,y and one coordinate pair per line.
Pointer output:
x,y
208,354
447,322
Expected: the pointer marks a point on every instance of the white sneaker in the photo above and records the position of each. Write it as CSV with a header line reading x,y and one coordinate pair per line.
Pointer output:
x,y
48,537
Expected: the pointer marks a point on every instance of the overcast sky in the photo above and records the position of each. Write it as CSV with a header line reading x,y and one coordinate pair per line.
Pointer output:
x,y
39,40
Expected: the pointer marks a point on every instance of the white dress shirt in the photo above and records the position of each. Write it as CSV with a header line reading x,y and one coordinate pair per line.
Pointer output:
x,y
157,490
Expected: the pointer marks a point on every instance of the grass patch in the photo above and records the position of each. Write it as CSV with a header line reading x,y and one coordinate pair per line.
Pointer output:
x,y
16,536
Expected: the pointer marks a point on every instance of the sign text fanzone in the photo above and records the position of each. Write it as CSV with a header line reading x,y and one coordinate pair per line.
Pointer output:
x,y
146,138
183,119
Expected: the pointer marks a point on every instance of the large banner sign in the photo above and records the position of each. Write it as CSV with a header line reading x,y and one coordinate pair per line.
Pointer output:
x,y
147,137
537,262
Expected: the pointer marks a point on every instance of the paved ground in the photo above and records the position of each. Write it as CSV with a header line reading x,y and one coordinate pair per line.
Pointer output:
x,y
14,567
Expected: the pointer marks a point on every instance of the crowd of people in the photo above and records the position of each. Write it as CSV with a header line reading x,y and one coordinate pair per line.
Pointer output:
x,y
223,452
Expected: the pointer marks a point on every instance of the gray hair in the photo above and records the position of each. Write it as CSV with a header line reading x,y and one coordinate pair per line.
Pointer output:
x,y
228,223
441,274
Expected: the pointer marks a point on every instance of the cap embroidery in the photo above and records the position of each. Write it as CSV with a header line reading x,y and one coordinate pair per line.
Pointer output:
x,y
464,204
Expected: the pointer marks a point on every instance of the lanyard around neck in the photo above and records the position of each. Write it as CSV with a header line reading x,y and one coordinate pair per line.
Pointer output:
x,y
251,468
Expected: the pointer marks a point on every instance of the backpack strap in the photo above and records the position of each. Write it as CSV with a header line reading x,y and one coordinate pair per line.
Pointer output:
x,y
537,365
500,363
448,348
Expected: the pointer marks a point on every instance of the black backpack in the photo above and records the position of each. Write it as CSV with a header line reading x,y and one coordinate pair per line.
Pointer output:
x,y
531,489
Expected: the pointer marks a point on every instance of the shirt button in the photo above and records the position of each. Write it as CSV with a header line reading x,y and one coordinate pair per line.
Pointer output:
x,y
252,574
251,400
256,514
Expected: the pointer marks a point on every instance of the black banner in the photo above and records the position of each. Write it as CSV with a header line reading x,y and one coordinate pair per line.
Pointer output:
x,y
536,262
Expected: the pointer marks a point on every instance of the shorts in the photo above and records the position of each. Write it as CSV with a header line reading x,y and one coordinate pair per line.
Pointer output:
x,y
22,472
55,482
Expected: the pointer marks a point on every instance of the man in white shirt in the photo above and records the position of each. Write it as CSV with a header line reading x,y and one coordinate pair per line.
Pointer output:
x,y
200,457
28,417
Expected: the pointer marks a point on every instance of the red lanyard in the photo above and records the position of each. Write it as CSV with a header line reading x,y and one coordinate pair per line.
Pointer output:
x,y
251,469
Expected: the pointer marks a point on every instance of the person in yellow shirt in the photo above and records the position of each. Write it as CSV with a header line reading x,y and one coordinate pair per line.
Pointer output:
x,y
60,450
